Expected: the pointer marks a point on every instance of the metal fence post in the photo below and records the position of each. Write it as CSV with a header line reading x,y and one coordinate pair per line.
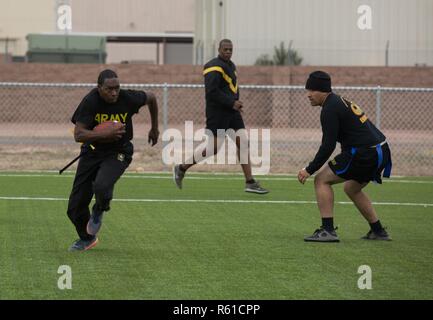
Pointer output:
x,y
164,114
378,106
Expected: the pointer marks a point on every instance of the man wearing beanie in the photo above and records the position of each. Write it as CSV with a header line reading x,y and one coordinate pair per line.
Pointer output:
x,y
364,155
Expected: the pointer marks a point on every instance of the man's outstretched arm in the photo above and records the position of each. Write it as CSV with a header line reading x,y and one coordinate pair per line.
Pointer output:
x,y
153,109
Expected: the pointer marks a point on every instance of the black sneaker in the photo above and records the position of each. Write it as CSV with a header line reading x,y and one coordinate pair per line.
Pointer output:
x,y
95,222
83,245
322,235
178,175
255,187
382,235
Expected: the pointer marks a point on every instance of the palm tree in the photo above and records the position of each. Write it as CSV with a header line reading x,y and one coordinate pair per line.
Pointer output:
x,y
282,57
286,57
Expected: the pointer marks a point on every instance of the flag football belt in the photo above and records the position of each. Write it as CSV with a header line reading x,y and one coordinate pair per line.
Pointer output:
x,y
388,167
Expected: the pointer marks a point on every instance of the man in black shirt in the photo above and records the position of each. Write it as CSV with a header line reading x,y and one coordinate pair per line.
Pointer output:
x,y
105,153
364,155
223,111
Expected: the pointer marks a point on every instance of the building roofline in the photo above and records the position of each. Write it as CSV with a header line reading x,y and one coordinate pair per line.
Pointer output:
x,y
171,37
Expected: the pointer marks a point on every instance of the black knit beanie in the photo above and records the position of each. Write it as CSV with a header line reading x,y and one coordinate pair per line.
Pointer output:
x,y
319,81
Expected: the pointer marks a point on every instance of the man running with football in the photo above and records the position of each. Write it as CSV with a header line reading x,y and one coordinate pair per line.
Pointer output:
x,y
103,124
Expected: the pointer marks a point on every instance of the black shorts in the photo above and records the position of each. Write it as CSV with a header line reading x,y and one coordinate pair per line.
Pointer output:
x,y
361,164
224,120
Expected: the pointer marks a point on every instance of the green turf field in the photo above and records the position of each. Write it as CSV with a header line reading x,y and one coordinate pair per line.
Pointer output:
x,y
211,240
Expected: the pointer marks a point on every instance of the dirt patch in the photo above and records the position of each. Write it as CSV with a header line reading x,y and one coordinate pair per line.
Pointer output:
x,y
290,150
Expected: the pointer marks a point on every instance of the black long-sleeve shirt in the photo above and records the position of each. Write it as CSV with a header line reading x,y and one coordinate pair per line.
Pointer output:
x,y
220,85
343,121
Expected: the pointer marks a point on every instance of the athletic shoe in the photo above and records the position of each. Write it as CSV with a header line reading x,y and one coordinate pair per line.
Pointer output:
x,y
322,235
255,188
178,176
95,222
83,245
382,235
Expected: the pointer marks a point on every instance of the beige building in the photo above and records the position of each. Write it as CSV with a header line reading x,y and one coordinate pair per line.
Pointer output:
x,y
20,17
145,19
139,17
331,32
323,32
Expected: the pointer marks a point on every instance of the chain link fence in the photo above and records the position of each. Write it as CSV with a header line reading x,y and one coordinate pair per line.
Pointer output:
x,y
36,132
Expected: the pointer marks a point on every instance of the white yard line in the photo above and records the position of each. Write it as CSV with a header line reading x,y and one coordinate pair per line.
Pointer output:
x,y
192,177
222,201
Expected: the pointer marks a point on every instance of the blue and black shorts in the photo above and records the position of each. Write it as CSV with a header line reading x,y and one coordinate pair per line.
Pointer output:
x,y
363,164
